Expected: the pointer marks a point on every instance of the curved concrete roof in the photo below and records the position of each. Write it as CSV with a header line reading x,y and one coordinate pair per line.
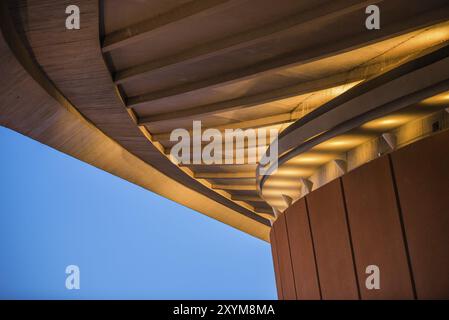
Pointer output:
x,y
111,92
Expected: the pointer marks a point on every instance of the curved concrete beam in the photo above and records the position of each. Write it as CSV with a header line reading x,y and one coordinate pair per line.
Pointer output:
x,y
32,105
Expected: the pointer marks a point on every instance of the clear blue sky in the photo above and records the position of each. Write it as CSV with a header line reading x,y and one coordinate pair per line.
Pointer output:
x,y
128,242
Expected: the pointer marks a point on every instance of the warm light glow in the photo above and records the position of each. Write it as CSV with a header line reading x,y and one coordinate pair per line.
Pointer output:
x,y
285,171
387,123
442,98
342,143
311,158
339,143
279,183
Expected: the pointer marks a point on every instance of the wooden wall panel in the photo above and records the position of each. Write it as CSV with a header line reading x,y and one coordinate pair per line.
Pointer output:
x,y
332,243
422,176
376,231
392,212
285,264
302,252
277,273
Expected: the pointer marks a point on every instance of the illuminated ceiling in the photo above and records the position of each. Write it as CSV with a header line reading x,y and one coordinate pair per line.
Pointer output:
x,y
137,70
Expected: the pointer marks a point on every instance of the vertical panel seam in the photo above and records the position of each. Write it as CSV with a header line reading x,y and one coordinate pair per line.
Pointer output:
x,y
313,249
351,245
401,221
290,254
279,265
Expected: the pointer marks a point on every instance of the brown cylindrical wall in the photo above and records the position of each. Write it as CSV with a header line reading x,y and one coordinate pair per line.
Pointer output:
x,y
277,272
375,224
302,252
332,242
392,213
422,176
284,259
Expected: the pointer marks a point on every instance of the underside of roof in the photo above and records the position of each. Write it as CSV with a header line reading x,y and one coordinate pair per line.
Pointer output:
x,y
338,94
